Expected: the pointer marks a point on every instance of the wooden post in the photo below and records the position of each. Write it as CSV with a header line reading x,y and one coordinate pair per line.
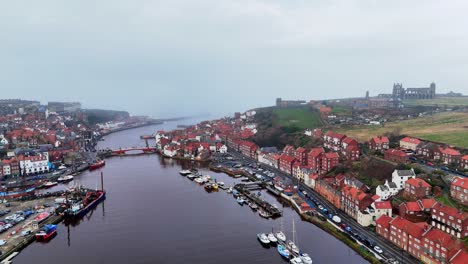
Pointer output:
x,y
102,181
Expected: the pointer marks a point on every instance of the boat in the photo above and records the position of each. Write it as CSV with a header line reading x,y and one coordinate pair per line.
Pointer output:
x,y
199,180
192,176
230,190
50,184
280,236
292,244
305,258
46,232
66,178
272,238
264,214
263,238
17,192
240,200
97,165
41,217
91,200
296,260
283,251
221,183
253,206
184,172
214,186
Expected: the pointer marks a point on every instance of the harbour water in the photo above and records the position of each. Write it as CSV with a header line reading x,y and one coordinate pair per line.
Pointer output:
x,y
154,215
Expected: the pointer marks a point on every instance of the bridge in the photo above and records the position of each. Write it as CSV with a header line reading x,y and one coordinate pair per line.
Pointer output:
x,y
132,150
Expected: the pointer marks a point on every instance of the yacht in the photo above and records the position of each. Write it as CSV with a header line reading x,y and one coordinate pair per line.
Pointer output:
x,y
66,178
185,172
272,238
305,258
199,180
292,247
280,236
263,239
192,176
296,260
240,200
283,251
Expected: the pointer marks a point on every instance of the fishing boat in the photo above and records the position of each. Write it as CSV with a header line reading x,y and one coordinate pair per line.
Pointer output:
x,y
272,238
97,165
253,206
305,258
240,201
46,232
91,200
184,172
263,239
296,260
283,251
17,192
65,178
264,214
50,184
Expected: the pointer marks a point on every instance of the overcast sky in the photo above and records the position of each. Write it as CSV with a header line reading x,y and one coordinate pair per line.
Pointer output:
x,y
177,57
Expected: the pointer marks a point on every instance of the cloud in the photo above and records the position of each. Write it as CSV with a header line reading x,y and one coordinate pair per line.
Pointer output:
x,y
180,56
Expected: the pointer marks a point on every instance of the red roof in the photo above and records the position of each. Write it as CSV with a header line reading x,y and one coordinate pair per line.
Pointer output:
x,y
301,150
349,141
416,182
395,152
384,221
415,230
411,140
375,197
315,152
380,140
451,211
331,155
355,193
287,158
413,206
427,203
313,176
449,151
460,258
443,239
383,205
465,157
460,182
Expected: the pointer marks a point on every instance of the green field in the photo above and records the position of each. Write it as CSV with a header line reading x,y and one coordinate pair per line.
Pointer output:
x,y
447,127
444,101
340,109
298,117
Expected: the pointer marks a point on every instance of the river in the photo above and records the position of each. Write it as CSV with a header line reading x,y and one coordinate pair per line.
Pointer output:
x,y
154,215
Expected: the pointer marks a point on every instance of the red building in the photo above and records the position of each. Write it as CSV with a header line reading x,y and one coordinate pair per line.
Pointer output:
x,y
380,143
329,161
351,153
330,190
439,247
464,162
248,149
449,155
459,190
314,159
289,150
354,200
382,226
301,156
396,155
286,163
416,188
450,220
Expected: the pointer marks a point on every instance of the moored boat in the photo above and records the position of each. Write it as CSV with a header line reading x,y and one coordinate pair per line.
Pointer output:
x,y
296,260
184,172
46,232
50,184
91,200
305,258
280,236
264,214
65,178
292,246
253,206
192,176
41,217
97,165
284,252
272,238
263,239
240,201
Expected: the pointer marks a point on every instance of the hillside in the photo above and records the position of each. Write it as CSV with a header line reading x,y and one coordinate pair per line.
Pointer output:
x,y
441,102
447,127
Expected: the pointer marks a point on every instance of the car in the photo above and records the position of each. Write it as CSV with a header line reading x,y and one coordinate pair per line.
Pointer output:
x,y
430,163
3,242
378,249
26,232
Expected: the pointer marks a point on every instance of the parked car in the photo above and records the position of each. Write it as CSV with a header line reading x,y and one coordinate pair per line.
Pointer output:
x,y
378,249
3,242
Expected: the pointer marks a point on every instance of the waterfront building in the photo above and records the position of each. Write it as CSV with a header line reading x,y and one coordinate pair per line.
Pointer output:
x,y
354,200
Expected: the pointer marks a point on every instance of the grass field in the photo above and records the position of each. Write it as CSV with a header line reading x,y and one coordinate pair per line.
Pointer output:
x,y
447,127
299,117
445,101
340,109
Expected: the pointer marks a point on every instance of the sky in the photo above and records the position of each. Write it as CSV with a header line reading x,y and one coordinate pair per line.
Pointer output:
x,y
184,57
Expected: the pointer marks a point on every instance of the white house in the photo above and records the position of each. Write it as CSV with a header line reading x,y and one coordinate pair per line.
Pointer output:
x,y
223,149
35,164
3,140
171,150
374,212
308,132
387,190
399,177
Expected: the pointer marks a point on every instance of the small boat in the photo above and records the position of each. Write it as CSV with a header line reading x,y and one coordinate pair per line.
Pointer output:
x,y
66,178
50,184
235,193
305,258
97,165
230,190
46,232
253,206
263,239
292,247
272,238
214,186
240,201
221,183
192,176
296,260
280,236
199,180
184,172
41,217
264,214
284,252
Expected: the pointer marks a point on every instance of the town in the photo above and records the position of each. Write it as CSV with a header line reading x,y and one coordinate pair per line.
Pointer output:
x,y
407,192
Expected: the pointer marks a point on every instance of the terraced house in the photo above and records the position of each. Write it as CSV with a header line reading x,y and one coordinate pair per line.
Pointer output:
x,y
459,190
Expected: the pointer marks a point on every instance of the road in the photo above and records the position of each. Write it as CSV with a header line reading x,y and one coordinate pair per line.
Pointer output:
x,y
389,249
